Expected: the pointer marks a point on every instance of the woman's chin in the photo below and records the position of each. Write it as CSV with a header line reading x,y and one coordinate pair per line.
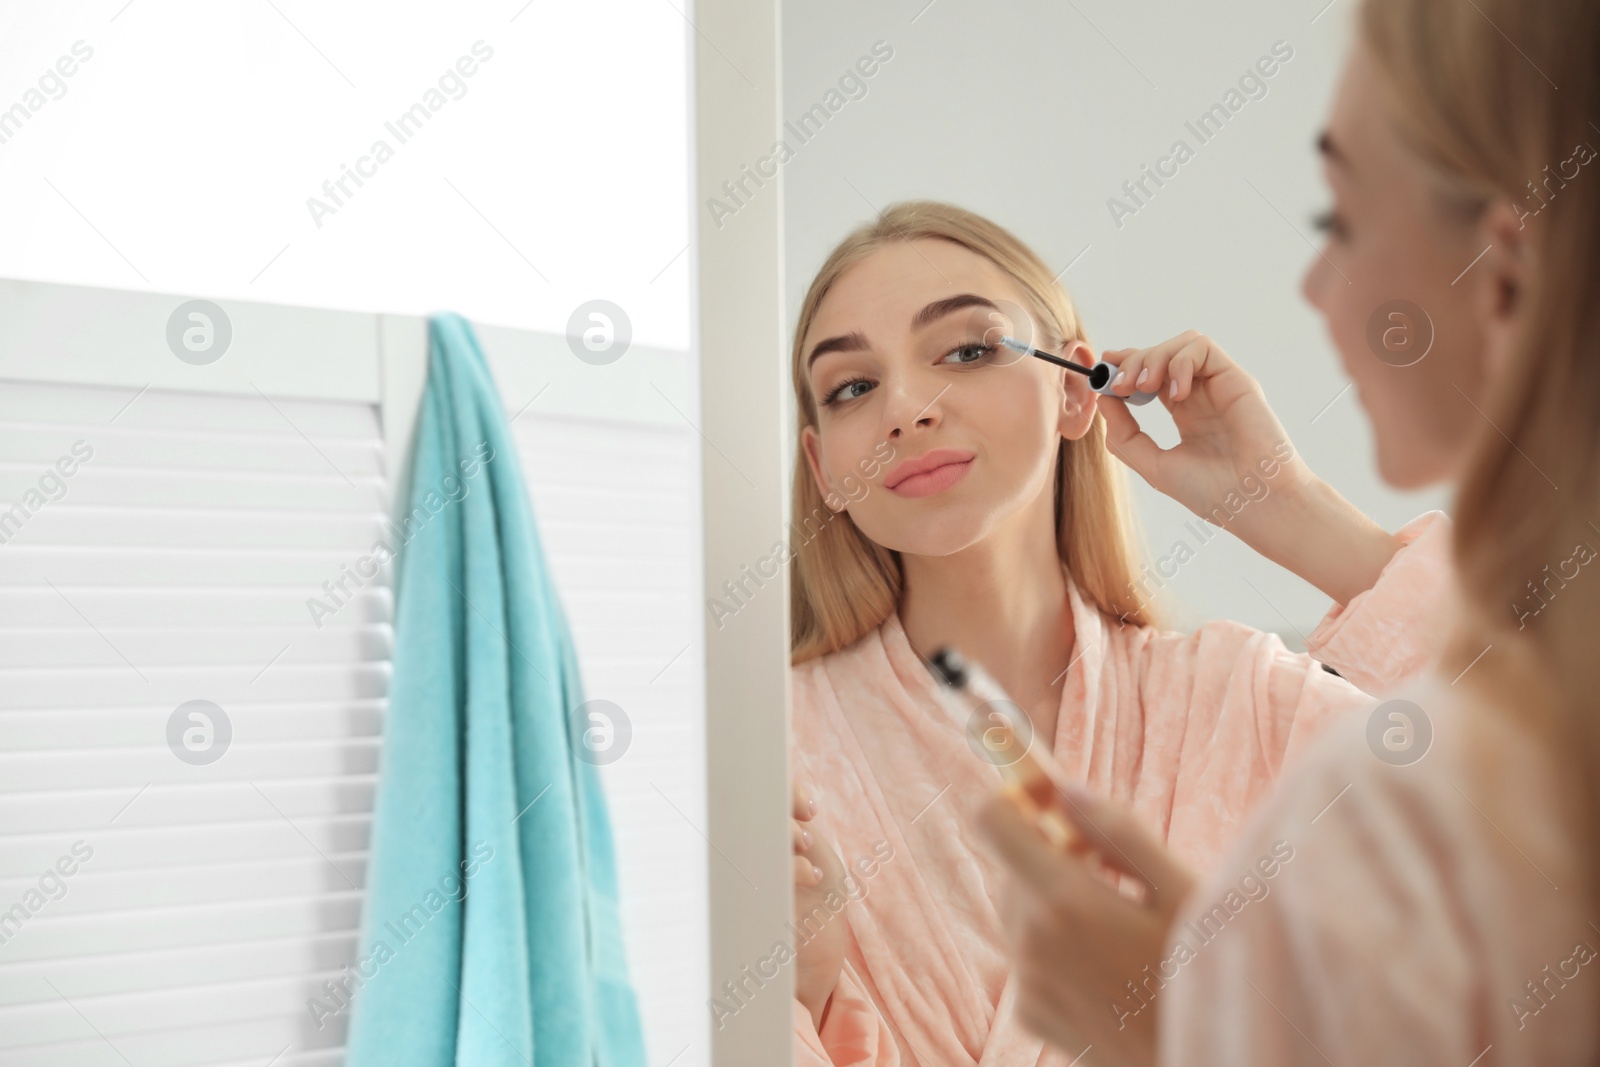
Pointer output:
x,y
939,535
1406,455
1410,465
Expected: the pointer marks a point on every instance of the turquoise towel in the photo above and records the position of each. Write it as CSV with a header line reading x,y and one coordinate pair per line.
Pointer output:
x,y
490,933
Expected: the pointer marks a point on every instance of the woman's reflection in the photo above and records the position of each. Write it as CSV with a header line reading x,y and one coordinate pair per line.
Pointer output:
x,y
943,496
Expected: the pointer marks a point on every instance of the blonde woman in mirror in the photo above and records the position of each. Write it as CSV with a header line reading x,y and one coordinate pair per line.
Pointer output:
x,y
950,492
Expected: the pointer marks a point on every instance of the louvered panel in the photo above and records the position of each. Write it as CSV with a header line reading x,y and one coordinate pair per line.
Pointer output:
x,y
26,606
88,809
125,446
52,688
235,418
96,728
266,834
135,767
601,503
246,644
96,565
618,515
175,564
220,1005
238,961
135,890
52,937
215,490
606,539
590,572
189,1043
156,526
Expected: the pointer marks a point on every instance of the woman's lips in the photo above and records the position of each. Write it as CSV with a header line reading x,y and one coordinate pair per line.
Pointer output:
x,y
933,481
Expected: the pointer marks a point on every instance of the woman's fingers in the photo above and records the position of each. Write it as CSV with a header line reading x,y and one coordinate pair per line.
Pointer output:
x,y
1076,942
1141,369
1199,358
1130,364
804,807
806,873
1058,879
1121,839
1169,368
1130,443
1116,836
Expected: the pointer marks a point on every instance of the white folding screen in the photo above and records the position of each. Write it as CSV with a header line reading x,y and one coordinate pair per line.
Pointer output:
x,y
209,898
178,879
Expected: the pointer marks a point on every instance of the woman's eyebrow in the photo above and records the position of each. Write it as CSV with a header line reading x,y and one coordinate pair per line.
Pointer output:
x,y
940,308
856,341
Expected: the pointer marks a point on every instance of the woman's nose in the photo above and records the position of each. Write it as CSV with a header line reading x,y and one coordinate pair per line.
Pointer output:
x,y
913,402
1311,283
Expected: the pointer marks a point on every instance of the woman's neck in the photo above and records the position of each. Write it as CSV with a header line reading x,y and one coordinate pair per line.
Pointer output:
x,y
1002,602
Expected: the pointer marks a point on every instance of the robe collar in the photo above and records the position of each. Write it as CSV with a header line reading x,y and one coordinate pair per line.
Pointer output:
x,y
1079,691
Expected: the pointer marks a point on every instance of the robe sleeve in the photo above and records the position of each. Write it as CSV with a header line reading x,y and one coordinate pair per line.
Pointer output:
x,y
1236,706
853,1034
1385,635
1333,939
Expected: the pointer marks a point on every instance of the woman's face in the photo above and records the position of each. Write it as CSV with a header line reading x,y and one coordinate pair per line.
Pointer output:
x,y
900,374
1398,288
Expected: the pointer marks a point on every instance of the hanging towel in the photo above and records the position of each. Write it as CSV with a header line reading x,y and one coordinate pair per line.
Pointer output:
x,y
490,931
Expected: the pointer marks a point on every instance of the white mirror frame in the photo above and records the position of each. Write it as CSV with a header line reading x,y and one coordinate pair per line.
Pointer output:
x,y
739,336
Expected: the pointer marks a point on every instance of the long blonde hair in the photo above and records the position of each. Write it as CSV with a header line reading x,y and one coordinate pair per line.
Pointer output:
x,y
1488,116
844,585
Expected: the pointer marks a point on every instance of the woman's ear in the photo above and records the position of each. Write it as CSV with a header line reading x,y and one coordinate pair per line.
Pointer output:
x,y
811,445
1501,287
1078,401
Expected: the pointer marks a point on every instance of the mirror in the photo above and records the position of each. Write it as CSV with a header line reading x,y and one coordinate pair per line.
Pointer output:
x,y
1160,166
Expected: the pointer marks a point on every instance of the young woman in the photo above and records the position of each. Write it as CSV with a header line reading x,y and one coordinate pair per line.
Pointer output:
x,y
947,493
1441,907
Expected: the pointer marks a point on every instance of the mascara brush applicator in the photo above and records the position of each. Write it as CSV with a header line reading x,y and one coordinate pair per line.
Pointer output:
x,y
1099,375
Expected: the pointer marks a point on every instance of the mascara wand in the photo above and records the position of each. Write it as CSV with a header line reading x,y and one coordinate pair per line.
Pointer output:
x,y
1099,375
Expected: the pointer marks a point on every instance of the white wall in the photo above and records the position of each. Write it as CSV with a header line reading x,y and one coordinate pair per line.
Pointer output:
x,y
1035,113
181,155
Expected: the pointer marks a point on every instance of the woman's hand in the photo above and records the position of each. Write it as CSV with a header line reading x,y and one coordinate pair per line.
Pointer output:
x,y
1076,941
817,871
1235,466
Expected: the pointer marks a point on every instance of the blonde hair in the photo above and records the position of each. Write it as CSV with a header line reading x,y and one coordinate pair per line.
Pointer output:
x,y
1487,116
844,585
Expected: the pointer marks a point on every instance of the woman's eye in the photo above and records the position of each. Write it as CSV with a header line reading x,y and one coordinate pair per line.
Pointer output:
x,y
969,353
846,390
1331,223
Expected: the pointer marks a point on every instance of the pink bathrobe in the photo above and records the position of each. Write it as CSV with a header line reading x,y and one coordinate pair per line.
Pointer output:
x,y
1188,729
1431,913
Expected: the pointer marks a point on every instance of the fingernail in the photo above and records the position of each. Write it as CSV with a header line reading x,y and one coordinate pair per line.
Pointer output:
x,y
1174,390
1118,379
1142,376
805,838
811,806
816,873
